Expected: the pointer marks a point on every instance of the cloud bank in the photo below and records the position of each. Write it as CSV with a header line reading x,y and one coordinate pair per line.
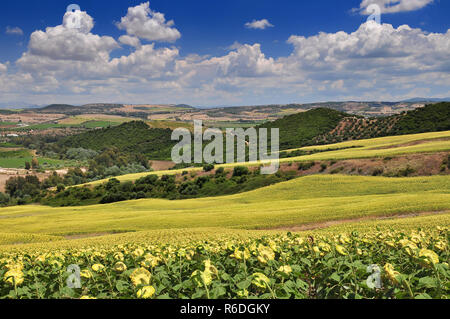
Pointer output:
x,y
375,62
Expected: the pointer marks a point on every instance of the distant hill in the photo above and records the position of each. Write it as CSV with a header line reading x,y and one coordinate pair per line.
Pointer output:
x,y
76,109
132,137
431,118
314,127
301,128
255,113
327,126
425,99
58,108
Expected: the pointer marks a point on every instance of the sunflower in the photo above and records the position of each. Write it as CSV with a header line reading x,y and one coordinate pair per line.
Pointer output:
x,y
440,245
265,254
118,256
211,268
86,273
341,250
325,247
344,239
202,278
391,273
138,252
242,293
146,292
140,276
428,257
120,266
14,277
239,254
285,269
260,280
98,267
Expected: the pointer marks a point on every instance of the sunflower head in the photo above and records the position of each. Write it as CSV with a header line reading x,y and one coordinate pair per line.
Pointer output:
x,y
391,273
260,280
120,266
140,276
428,257
14,277
146,292
341,250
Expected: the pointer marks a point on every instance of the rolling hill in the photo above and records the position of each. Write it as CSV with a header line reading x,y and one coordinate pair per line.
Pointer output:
x,y
301,128
131,137
306,200
326,126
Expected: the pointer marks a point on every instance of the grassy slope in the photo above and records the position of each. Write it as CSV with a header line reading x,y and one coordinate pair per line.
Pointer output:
x,y
17,159
367,148
305,200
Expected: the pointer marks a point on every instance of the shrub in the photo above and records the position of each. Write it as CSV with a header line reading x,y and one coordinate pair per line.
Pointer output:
x,y
240,171
220,171
337,170
208,167
305,166
378,172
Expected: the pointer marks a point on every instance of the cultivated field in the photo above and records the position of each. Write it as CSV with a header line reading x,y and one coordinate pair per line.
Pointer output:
x,y
307,200
310,237
375,264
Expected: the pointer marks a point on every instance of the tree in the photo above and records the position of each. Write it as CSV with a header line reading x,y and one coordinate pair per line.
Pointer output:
x,y
34,163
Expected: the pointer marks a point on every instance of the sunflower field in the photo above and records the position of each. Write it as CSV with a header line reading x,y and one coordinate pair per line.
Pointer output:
x,y
378,264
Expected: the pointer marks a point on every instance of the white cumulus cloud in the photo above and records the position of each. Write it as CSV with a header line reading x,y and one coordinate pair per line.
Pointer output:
x,y
67,43
131,41
374,62
259,24
144,23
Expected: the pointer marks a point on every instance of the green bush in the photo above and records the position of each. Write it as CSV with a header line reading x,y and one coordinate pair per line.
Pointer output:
x,y
240,171
208,167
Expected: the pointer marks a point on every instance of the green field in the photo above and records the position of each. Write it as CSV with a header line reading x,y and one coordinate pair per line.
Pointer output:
x,y
306,200
17,159
326,227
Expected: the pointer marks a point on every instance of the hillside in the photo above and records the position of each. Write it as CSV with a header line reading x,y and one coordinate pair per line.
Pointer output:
x,y
431,118
306,200
326,126
131,137
300,129
74,110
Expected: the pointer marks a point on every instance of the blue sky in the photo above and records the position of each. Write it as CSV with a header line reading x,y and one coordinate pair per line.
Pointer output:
x,y
203,67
